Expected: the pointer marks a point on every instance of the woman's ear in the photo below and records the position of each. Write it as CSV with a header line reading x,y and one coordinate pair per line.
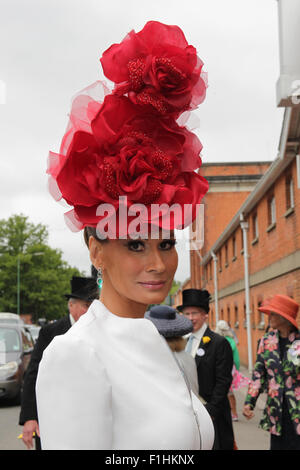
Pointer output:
x,y
96,252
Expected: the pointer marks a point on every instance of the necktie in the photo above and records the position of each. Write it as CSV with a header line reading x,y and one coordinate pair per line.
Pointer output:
x,y
189,345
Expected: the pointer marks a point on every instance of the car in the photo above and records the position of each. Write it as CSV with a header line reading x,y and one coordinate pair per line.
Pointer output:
x,y
16,346
7,317
34,331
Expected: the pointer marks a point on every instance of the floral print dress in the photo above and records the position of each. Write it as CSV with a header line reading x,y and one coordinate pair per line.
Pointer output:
x,y
279,376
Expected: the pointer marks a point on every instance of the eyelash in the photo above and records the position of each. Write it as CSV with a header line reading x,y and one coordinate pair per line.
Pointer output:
x,y
131,244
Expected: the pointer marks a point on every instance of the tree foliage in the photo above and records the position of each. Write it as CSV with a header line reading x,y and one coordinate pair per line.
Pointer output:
x,y
44,275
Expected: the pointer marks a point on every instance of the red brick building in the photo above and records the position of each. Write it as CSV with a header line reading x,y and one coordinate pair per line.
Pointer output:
x,y
229,186
267,242
251,247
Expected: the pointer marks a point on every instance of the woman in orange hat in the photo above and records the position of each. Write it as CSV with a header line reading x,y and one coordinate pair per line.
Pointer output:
x,y
277,371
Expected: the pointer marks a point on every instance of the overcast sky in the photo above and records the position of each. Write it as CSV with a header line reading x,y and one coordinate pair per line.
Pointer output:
x,y
50,49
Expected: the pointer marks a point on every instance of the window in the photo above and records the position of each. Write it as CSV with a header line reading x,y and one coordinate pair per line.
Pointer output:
x,y
261,323
205,273
233,248
271,212
289,192
226,255
242,242
220,260
27,341
9,340
228,315
212,316
254,226
252,317
236,316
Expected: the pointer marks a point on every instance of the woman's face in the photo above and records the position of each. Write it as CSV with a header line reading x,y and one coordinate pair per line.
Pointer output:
x,y
277,321
136,273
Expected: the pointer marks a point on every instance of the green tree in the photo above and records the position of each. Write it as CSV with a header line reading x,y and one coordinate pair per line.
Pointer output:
x,y
44,275
174,288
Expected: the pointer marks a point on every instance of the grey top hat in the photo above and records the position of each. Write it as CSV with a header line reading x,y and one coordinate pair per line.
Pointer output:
x,y
168,322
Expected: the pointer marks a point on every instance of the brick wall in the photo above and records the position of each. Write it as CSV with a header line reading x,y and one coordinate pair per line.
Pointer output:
x,y
273,262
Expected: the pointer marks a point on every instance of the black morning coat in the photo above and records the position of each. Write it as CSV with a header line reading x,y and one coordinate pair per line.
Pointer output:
x,y
214,369
46,335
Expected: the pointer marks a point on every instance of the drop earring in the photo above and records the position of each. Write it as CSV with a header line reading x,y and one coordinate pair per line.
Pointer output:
x,y
99,278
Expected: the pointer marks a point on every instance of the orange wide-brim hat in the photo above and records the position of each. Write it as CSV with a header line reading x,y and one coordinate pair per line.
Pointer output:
x,y
282,305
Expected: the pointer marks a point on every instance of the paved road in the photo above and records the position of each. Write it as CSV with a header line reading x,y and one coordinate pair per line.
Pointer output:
x,y
248,435
9,428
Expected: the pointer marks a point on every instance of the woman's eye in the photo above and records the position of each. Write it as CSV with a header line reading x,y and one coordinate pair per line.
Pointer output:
x,y
167,244
135,245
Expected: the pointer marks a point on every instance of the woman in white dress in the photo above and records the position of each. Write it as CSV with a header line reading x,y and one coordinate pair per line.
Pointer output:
x,y
111,381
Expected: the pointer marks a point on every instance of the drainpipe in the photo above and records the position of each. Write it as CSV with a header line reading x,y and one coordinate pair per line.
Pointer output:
x,y
244,227
197,251
298,170
216,285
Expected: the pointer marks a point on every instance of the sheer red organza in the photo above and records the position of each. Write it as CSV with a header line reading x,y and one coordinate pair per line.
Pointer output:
x,y
157,68
113,149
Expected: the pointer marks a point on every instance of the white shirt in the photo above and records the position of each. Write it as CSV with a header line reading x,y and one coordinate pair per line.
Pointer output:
x,y
197,339
112,383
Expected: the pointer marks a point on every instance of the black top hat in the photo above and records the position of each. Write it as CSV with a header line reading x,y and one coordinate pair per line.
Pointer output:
x,y
169,323
84,288
195,298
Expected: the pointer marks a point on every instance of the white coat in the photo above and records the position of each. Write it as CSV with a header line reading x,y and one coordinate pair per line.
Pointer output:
x,y
112,383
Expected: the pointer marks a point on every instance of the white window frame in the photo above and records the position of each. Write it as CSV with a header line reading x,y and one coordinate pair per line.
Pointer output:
x,y
273,210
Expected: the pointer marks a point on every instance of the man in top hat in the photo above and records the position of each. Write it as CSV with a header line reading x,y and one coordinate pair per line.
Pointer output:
x,y
214,361
83,292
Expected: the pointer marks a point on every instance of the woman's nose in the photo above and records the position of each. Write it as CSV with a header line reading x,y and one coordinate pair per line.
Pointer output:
x,y
155,262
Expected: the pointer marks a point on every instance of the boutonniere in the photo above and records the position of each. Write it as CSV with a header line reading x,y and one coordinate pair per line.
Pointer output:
x,y
200,352
206,339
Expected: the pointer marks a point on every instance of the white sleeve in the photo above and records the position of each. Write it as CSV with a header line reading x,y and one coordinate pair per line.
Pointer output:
x,y
73,397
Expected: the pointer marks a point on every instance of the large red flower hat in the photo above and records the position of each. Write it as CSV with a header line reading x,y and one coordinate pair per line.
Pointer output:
x,y
122,144
157,68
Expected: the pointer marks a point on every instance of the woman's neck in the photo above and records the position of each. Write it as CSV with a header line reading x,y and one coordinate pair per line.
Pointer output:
x,y
122,307
285,331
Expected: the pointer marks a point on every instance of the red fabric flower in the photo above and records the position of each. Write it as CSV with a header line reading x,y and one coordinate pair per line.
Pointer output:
x,y
157,67
122,151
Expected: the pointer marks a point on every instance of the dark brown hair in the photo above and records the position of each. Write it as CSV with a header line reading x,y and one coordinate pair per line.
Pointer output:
x,y
92,232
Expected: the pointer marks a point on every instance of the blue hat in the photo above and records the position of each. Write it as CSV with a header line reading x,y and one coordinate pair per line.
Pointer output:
x,y
168,322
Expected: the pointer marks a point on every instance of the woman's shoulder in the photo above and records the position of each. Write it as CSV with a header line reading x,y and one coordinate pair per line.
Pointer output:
x,y
269,339
68,346
89,325
231,341
76,344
